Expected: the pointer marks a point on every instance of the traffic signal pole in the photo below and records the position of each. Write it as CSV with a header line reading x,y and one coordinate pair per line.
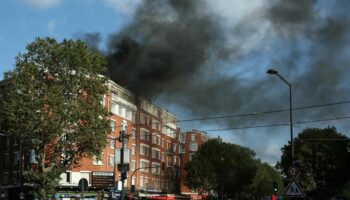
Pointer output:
x,y
122,163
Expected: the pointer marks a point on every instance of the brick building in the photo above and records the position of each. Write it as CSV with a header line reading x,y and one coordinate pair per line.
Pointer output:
x,y
190,141
152,142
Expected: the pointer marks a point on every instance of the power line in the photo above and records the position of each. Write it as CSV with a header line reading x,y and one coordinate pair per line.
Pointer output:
x,y
262,113
276,125
325,139
253,114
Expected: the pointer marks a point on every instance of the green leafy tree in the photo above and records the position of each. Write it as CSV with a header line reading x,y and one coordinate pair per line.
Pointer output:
x,y
52,104
262,184
222,167
323,160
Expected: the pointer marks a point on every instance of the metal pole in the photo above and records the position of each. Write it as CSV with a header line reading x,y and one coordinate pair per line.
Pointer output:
x,y
291,120
274,72
122,163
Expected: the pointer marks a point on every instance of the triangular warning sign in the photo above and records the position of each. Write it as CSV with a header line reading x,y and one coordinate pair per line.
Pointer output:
x,y
294,190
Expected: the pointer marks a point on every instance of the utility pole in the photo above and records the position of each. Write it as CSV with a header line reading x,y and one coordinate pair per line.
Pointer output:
x,y
123,173
290,85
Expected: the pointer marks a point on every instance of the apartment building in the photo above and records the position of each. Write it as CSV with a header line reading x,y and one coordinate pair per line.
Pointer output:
x,y
190,141
151,146
151,149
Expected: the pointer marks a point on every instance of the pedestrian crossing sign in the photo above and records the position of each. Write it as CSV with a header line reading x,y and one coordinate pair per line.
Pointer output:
x,y
293,190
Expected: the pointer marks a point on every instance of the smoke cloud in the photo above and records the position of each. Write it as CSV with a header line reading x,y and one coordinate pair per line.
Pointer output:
x,y
192,55
183,52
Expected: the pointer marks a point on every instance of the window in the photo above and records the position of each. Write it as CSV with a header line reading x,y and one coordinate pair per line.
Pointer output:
x,y
14,178
182,148
32,156
111,160
146,182
155,168
144,119
15,143
133,132
141,181
7,144
120,111
5,179
169,131
162,143
193,146
154,139
190,156
144,134
97,160
112,143
114,108
133,149
169,160
162,185
155,124
6,161
103,100
144,164
174,147
114,96
193,138
113,125
158,139
175,160
155,153
16,158
163,156
133,117
133,165
144,150
127,114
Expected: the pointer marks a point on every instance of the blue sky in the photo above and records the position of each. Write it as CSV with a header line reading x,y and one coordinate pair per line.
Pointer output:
x,y
24,20
295,48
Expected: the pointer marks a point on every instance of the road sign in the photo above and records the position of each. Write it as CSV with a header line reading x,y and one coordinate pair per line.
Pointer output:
x,y
294,190
126,155
293,171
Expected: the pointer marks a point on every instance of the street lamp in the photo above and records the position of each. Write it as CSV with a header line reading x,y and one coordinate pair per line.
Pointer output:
x,y
274,72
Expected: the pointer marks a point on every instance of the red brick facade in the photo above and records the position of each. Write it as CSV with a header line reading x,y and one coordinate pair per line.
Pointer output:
x,y
153,140
190,143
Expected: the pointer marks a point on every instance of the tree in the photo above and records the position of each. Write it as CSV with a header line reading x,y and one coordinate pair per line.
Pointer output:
x,y
262,184
323,160
52,104
222,167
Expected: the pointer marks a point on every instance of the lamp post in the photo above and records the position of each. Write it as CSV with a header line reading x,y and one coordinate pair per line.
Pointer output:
x,y
274,72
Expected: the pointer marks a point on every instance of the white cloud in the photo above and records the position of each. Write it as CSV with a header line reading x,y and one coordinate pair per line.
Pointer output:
x,y
270,153
43,4
126,7
51,26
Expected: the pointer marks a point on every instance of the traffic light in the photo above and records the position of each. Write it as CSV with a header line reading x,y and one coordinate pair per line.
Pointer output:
x,y
275,187
123,175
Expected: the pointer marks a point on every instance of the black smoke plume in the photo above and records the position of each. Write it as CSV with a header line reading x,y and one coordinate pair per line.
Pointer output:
x,y
184,53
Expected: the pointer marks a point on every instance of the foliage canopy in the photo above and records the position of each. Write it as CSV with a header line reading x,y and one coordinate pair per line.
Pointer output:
x,y
323,160
222,167
52,104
